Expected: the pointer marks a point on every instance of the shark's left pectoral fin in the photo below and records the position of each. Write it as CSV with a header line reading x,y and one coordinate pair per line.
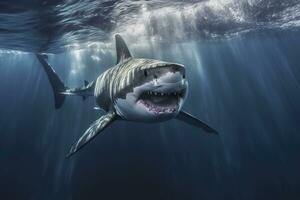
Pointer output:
x,y
190,119
98,126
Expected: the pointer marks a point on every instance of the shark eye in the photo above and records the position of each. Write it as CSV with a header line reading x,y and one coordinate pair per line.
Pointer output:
x,y
155,76
145,73
183,76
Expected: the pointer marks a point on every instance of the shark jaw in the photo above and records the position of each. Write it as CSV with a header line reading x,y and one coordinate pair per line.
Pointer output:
x,y
157,100
162,102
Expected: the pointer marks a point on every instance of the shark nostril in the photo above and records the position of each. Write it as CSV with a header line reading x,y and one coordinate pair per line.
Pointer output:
x,y
183,76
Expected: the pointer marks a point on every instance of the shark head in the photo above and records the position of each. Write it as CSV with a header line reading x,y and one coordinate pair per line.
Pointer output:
x,y
148,90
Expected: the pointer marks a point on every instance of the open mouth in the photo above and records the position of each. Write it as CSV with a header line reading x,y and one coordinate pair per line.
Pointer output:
x,y
160,102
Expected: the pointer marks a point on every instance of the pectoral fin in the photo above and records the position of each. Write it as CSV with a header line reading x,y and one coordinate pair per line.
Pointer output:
x,y
98,126
189,119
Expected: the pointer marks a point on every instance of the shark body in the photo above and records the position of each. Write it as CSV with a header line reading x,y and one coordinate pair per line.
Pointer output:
x,y
135,89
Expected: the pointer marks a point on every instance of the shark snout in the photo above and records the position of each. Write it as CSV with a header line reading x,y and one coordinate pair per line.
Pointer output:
x,y
170,77
170,82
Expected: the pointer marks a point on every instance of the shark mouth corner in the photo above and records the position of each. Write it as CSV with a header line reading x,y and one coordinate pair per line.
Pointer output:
x,y
162,102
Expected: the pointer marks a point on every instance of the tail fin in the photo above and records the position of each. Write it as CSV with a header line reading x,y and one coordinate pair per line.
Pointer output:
x,y
57,85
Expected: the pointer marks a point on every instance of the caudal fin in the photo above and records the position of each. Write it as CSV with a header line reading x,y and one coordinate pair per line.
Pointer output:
x,y
57,85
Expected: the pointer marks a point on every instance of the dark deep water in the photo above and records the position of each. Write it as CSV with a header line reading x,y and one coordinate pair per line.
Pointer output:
x,y
245,85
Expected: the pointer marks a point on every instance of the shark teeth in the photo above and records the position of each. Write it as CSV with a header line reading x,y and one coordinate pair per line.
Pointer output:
x,y
162,102
158,109
151,93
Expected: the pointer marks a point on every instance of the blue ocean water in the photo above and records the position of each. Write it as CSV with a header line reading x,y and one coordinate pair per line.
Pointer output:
x,y
244,80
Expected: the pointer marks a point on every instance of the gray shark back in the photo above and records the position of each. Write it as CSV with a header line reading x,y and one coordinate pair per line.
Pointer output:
x,y
104,82
103,87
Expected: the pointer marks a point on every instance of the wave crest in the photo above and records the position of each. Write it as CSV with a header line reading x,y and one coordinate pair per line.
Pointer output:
x,y
53,26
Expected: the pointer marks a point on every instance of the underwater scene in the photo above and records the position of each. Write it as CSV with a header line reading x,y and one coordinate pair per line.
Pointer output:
x,y
166,100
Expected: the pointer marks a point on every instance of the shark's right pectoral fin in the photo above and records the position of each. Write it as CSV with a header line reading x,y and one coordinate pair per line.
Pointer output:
x,y
98,126
190,119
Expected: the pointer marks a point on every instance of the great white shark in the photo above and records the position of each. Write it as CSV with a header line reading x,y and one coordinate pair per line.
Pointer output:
x,y
135,89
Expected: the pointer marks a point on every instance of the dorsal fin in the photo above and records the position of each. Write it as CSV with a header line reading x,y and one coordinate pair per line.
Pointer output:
x,y
122,49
